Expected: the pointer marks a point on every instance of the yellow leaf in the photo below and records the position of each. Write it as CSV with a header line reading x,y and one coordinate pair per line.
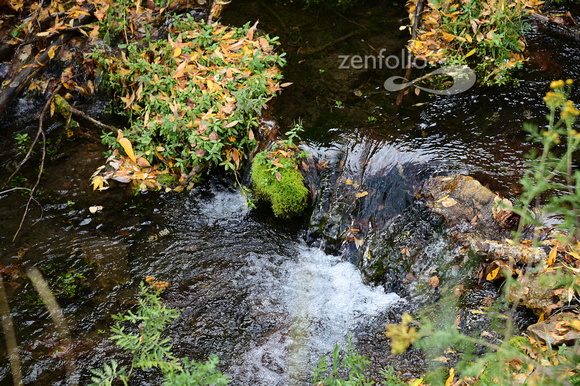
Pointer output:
x,y
52,52
468,38
493,274
448,202
574,255
449,381
52,107
478,312
97,182
361,194
348,181
128,148
541,318
417,382
177,52
552,256
447,37
470,53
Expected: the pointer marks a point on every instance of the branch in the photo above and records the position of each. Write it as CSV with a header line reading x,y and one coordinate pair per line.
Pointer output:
x,y
20,81
39,132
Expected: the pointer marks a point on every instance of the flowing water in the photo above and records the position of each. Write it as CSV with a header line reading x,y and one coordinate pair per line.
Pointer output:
x,y
269,296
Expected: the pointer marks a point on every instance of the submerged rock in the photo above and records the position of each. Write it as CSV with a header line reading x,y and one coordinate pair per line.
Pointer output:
x,y
109,256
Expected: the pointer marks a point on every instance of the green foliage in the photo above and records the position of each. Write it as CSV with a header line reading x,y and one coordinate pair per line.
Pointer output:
x,y
494,44
350,362
67,284
551,179
22,141
150,350
194,98
276,177
551,175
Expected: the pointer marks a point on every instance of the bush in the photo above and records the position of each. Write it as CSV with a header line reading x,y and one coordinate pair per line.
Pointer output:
x,y
194,98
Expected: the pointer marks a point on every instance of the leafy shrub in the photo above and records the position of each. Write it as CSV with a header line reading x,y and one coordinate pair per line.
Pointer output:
x,y
486,33
194,98
351,362
276,177
150,350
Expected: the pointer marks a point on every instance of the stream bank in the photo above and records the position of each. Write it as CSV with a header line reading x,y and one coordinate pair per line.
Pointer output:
x,y
268,296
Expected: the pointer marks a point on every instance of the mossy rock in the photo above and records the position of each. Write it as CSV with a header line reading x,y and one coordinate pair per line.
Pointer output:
x,y
167,180
288,196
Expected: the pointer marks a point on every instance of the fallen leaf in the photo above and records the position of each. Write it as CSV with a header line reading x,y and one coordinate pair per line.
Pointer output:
x,y
448,202
128,148
361,194
434,281
348,181
478,312
278,176
95,209
552,256
451,377
493,274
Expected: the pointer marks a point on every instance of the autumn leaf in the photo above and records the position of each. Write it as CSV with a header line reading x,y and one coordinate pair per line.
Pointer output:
x,y
348,181
448,202
361,194
434,281
552,256
278,176
97,183
493,274
52,51
128,148
449,381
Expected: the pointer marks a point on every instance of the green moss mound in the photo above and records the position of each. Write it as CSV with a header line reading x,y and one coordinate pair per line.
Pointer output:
x,y
288,196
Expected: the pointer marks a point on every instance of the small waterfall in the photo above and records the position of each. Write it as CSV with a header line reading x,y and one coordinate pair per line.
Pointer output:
x,y
324,299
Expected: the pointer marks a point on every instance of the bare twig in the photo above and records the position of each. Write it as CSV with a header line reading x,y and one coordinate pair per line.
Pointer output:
x,y
330,44
21,80
40,132
282,24
57,317
93,120
344,17
11,345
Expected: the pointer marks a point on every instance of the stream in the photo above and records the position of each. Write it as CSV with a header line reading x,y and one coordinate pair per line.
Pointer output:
x,y
271,296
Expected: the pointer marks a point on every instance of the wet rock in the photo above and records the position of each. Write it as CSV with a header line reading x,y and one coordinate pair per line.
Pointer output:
x,y
538,293
109,256
465,204
559,329
504,251
364,185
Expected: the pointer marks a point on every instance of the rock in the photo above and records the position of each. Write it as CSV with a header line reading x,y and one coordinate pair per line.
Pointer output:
x,y
557,330
505,251
109,256
538,293
464,204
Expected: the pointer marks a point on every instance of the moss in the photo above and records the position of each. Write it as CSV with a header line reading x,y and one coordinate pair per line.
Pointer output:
x,y
288,196
519,343
167,180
